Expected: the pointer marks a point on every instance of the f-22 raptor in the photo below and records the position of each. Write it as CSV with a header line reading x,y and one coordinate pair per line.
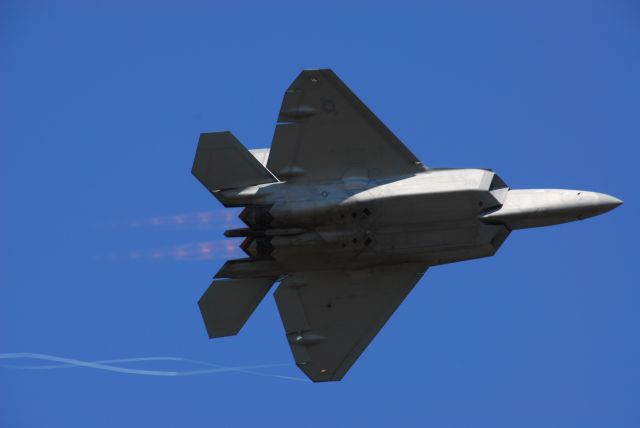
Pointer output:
x,y
347,220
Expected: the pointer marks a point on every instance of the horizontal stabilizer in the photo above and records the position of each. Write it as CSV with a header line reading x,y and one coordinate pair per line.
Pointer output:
x,y
228,303
248,268
222,162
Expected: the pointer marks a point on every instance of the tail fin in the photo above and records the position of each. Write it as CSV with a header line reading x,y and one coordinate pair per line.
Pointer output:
x,y
222,162
228,303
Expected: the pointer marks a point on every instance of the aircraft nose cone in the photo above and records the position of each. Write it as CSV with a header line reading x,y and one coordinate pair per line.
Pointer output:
x,y
607,202
543,207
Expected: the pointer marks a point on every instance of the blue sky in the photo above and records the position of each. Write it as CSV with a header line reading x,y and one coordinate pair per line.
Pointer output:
x,y
104,250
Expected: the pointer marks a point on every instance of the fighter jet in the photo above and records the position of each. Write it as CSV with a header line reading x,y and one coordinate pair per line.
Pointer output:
x,y
347,220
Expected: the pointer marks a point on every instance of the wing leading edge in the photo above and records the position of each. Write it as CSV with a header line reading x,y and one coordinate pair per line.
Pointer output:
x,y
326,133
330,317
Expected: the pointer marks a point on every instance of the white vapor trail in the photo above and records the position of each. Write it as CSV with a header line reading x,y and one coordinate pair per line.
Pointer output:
x,y
108,365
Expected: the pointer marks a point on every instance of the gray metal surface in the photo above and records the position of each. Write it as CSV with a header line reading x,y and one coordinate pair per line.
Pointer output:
x,y
222,162
544,207
331,316
325,132
351,222
228,303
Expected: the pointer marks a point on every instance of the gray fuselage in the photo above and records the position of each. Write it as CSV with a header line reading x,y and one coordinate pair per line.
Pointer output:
x,y
435,217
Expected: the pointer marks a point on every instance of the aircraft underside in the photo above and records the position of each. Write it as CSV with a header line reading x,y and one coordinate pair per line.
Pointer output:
x,y
347,219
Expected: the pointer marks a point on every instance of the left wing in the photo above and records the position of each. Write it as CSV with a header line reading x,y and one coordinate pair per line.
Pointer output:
x,y
330,317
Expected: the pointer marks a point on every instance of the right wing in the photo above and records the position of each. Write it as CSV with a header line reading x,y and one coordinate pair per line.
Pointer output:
x,y
331,316
326,133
